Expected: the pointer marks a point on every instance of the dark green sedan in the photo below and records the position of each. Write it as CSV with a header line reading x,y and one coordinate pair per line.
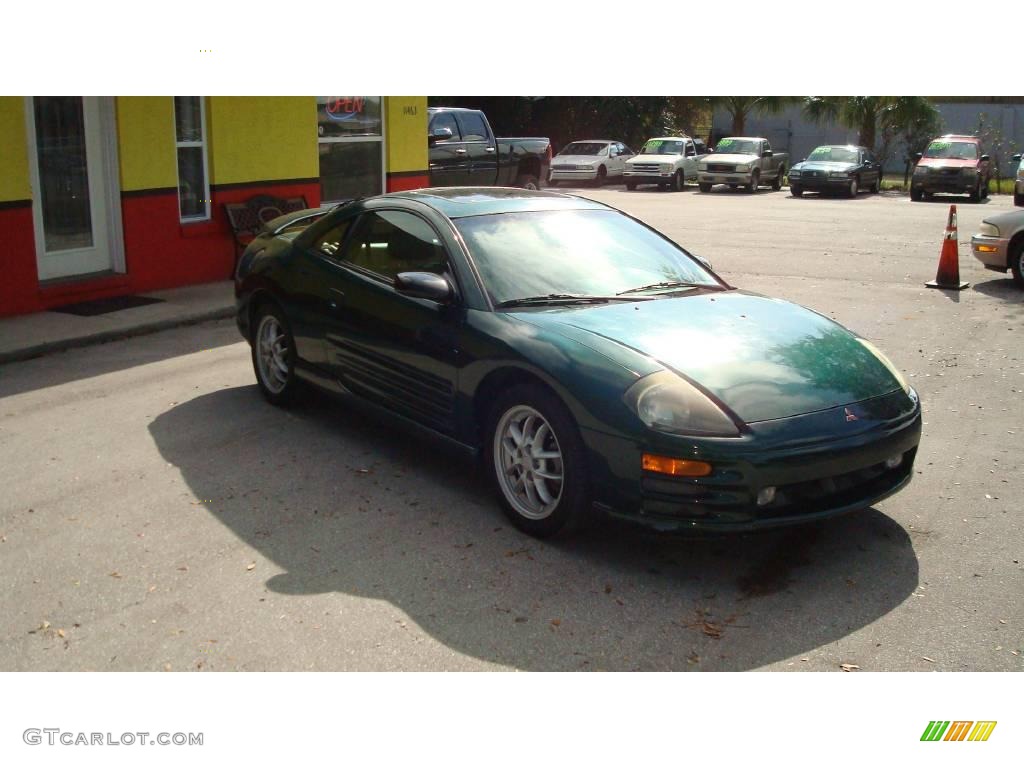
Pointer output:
x,y
594,365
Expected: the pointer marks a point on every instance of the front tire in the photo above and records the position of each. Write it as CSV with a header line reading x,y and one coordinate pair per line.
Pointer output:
x,y
631,185
796,190
1017,262
755,182
975,194
853,188
704,186
273,355
678,181
602,176
536,460
1018,198
916,195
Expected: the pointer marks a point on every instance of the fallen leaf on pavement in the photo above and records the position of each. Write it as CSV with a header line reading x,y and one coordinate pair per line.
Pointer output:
x,y
250,566
928,658
848,667
60,633
116,575
556,622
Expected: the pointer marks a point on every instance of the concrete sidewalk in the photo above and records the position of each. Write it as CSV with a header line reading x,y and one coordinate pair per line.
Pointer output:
x,y
27,336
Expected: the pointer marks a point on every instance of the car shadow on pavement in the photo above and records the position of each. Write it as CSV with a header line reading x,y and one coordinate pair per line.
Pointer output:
x,y
1002,288
343,502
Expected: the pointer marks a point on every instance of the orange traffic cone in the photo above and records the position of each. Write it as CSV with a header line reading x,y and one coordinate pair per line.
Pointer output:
x,y
948,274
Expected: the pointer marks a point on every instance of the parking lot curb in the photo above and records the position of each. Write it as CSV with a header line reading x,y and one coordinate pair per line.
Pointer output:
x,y
101,337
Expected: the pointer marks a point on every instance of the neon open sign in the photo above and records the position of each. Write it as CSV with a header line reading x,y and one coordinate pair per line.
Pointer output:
x,y
342,108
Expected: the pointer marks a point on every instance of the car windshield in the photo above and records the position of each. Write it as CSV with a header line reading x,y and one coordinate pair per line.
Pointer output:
x,y
585,148
952,150
582,253
662,147
833,155
737,147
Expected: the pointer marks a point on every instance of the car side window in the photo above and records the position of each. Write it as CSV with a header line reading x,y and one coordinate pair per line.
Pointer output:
x,y
445,120
473,126
389,242
330,242
766,147
690,151
626,150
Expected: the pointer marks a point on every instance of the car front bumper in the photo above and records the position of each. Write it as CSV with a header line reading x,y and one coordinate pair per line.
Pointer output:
x,y
586,175
956,184
991,251
704,177
661,177
821,475
820,183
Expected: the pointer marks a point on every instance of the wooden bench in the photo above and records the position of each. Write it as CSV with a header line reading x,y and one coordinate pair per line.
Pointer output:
x,y
247,219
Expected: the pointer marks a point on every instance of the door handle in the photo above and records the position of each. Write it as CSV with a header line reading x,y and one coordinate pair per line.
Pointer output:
x,y
490,149
336,298
461,151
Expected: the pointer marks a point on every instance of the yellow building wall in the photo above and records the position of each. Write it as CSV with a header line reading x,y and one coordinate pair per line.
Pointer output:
x,y
145,142
406,129
14,177
261,138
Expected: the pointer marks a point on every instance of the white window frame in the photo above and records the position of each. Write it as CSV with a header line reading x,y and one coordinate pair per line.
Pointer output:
x,y
206,166
360,140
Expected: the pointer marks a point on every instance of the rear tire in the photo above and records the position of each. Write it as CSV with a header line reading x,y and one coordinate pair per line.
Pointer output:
x,y
273,355
541,475
704,186
777,183
796,190
916,195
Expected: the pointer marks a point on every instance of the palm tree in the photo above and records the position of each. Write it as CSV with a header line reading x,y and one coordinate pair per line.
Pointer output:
x,y
870,114
741,107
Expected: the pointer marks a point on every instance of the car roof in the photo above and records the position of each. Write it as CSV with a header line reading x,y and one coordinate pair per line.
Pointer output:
x,y
594,141
744,138
459,202
841,146
668,138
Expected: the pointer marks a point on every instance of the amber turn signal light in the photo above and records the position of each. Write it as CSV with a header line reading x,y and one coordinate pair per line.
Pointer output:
x,y
666,465
986,248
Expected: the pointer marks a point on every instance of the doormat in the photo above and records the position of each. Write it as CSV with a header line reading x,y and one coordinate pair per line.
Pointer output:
x,y
103,306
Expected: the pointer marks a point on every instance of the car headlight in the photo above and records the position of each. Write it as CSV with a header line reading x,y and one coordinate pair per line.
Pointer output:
x,y
743,168
969,171
991,230
666,402
666,167
839,174
794,172
921,170
702,166
887,363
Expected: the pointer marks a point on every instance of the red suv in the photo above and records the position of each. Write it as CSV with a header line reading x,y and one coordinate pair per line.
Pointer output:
x,y
952,163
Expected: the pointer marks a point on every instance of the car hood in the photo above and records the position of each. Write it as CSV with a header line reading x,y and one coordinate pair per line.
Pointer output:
x,y
653,158
579,159
823,165
764,358
947,162
723,157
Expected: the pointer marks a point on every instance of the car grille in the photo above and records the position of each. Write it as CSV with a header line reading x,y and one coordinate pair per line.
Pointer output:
x,y
812,174
646,167
948,171
566,167
721,168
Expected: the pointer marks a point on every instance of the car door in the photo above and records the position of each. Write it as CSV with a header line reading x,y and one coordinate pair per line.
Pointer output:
x,y
398,351
690,160
480,145
449,158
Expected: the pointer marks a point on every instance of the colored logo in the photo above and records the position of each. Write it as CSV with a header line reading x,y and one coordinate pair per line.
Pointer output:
x,y
342,108
958,730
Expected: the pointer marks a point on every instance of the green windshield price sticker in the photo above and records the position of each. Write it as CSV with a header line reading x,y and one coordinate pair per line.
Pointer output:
x,y
821,153
725,143
938,145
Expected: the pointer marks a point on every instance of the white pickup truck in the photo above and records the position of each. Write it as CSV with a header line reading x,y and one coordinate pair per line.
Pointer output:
x,y
745,161
668,161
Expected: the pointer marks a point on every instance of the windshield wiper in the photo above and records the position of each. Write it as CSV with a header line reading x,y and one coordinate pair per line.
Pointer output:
x,y
557,298
667,284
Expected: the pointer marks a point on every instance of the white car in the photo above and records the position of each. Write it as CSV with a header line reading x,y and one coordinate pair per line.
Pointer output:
x,y
1018,185
668,161
592,160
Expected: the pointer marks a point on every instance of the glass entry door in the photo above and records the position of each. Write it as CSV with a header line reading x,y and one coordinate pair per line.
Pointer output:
x,y
77,221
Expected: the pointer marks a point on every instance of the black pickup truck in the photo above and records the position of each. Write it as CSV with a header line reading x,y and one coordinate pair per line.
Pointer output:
x,y
465,153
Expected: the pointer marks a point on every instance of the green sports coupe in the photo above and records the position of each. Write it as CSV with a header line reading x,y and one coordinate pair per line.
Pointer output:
x,y
592,364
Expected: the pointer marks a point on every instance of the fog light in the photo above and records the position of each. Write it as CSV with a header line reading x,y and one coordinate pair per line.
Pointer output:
x,y
677,467
986,248
894,461
766,496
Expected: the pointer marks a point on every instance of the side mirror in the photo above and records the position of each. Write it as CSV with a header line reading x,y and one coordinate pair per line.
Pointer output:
x,y
985,158
766,153
440,134
1016,157
424,285
918,155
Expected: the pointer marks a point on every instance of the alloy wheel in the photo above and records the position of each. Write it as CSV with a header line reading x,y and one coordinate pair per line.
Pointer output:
x,y
272,355
528,462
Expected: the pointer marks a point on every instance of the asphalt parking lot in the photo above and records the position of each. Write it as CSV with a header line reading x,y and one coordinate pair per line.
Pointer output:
x,y
158,515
